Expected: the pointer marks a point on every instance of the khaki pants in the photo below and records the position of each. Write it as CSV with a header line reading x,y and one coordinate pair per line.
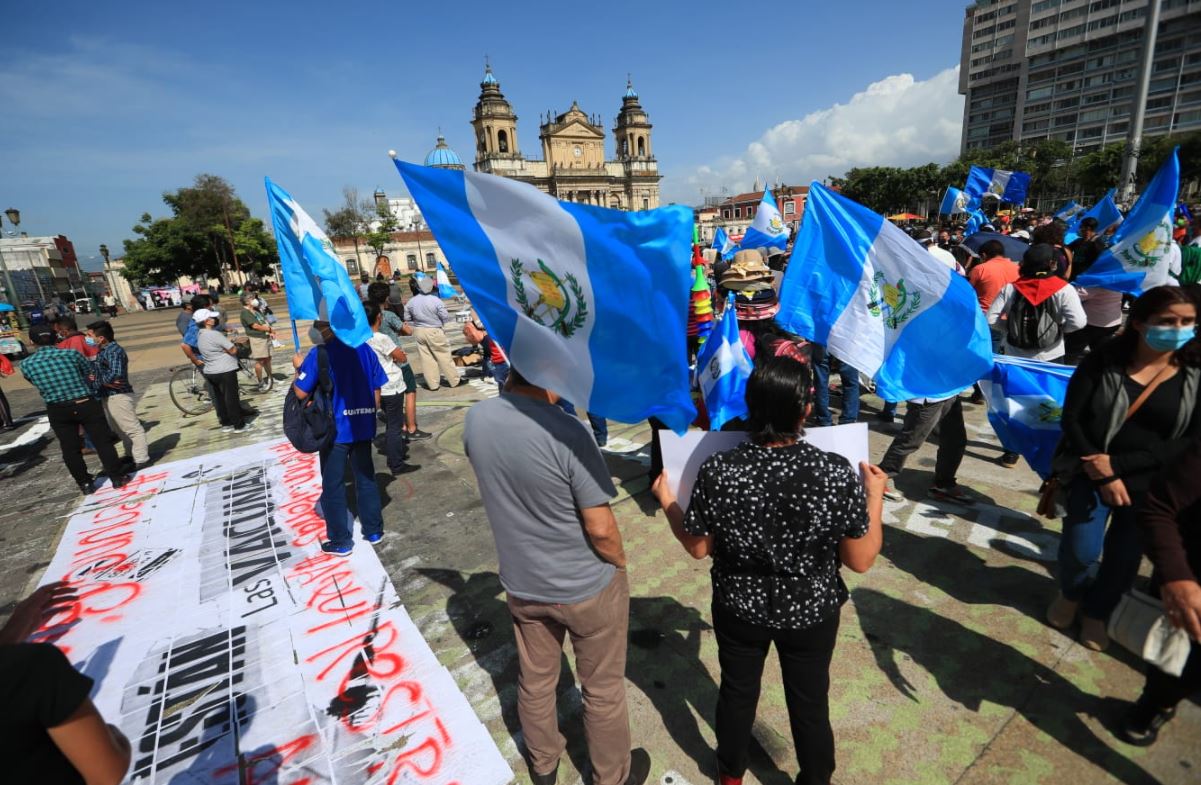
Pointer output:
x,y
122,417
598,628
433,356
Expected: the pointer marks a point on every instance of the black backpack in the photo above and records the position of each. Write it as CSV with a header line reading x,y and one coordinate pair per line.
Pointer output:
x,y
1032,326
309,424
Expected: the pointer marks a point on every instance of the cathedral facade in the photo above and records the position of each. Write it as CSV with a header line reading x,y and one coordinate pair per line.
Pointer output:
x,y
573,166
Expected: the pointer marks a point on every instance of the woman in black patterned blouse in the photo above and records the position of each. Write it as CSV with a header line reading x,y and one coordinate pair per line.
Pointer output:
x,y
779,517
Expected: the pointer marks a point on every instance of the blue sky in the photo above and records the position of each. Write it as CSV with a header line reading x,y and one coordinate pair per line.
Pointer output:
x,y
107,105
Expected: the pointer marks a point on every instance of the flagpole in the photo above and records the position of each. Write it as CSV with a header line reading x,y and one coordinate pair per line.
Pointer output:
x,y
295,337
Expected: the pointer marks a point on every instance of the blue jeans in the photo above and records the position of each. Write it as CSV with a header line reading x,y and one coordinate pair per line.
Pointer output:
x,y
850,393
333,491
1097,565
600,427
500,372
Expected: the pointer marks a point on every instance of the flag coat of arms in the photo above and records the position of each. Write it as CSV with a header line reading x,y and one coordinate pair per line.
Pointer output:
x,y
317,285
1142,253
1008,186
722,369
589,302
881,302
768,229
1025,407
956,201
1069,210
1105,211
725,247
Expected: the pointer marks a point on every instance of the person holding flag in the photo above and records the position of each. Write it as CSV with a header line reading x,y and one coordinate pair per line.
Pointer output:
x,y
768,229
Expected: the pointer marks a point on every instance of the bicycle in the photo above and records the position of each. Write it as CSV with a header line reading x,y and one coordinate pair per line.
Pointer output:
x,y
190,393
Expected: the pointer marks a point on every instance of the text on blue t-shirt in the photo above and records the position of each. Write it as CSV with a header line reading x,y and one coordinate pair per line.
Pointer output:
x,y
356,374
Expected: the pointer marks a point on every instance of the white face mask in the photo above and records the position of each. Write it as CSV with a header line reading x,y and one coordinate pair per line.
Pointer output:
x,y
256,303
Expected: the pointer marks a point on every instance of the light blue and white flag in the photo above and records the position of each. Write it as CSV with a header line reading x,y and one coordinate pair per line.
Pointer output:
x,y
725,247
976,221
1105,211
1068,211
882,303
768,229
445,290
1025,406
1142,252
317,285
1009,186
956,201
722,368
589,302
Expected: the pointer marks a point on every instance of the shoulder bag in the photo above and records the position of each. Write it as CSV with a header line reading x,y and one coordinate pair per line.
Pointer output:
x,y
1139,625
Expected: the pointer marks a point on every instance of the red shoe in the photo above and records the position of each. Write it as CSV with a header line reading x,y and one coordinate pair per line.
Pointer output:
x,y
725,779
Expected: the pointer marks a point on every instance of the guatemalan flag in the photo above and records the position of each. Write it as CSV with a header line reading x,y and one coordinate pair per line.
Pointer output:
x,y
1142,252
1025,406
317,285
725,247
588,302
1069,210
956,201
1105,211
1009,186
445,290
768,229
722,369
882,303
976,221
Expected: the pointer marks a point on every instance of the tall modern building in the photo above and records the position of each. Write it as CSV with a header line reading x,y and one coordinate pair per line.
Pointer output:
x,y
1067,69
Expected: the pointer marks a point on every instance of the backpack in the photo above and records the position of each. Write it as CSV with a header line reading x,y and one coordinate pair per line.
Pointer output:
x,y
309,424
1032,326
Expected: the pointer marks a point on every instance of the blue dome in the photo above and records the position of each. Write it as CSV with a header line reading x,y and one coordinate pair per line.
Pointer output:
x,y
443,156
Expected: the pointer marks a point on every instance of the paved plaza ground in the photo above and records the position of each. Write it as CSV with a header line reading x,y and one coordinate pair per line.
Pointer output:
x,y
944,673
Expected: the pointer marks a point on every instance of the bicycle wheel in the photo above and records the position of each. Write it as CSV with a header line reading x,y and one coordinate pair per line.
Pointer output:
x,y
248,383
188,391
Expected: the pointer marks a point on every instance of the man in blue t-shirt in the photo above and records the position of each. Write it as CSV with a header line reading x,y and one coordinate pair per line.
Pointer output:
x,y
357,378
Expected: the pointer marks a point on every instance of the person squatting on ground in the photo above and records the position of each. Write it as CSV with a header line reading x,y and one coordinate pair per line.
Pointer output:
x,y
546,491
220,370
427,315
357,380
779,517
261,334
1111,450
393,326
391,358
117,396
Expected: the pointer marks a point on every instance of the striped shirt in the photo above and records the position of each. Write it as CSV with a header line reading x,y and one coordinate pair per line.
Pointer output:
x,y
61,375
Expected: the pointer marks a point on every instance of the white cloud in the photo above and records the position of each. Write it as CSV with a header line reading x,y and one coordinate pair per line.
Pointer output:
x,y
897,121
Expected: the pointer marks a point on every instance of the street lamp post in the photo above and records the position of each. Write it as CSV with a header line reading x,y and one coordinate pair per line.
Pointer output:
x,y
14,215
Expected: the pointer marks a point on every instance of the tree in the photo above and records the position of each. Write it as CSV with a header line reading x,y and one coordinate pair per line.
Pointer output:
x,y
378,238
351,220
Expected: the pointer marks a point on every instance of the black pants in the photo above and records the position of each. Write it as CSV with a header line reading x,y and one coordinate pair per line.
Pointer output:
x,y
805,662
66,419
396,445
920,420
6,412
1163,691
1089,337
225,398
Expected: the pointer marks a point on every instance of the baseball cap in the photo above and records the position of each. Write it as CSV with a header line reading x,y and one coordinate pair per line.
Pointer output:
x,y
205,313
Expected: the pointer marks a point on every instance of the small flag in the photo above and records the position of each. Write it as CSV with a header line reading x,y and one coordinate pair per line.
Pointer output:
x,y
726,248
768,229
1140,256
976,221
956,201
445,290
1105,211
589,302
1068,211
317,285
882,303
1009,186
722,368
1025,406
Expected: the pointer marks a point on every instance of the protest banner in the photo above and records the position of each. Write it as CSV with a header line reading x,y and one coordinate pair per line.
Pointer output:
x,y
230,649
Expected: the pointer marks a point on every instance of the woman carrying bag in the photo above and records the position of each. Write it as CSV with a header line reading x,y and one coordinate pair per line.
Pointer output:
x,y
1130,410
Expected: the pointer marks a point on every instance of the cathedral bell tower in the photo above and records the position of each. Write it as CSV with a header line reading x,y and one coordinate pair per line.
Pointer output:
x,y
632,131
495,124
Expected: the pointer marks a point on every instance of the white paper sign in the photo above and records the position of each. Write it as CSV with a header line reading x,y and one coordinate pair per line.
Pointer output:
x,y
683,455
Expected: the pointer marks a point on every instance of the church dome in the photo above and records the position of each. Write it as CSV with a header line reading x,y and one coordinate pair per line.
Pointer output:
x,y
443,157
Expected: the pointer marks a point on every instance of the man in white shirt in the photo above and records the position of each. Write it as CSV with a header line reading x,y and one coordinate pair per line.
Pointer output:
x,y
946,257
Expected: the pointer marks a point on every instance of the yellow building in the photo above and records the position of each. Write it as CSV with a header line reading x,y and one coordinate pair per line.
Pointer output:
x,y
573,166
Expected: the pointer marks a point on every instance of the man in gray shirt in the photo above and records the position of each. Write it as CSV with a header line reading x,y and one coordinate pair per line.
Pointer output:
x,y
546,491
427,316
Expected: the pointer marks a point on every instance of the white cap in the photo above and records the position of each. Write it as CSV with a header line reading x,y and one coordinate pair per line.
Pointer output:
x,y
205,313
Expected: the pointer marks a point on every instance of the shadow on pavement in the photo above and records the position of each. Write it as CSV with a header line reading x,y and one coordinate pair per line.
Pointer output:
x,y
162,446
978,669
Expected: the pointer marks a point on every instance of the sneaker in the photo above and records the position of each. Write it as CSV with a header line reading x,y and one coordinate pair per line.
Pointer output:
x,y
406,469
1092,634
243,428
885,417
227,429
1010,459
544,779
337,550
1142,722
640,767
952,494
373,538
87,488
120,481
1061,613
264,386
418,435
892,494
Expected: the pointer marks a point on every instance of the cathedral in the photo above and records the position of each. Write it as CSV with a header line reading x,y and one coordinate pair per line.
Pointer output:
x,y
573,166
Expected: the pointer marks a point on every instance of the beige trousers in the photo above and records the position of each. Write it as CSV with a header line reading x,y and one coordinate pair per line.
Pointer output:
x,y
122,416
433,356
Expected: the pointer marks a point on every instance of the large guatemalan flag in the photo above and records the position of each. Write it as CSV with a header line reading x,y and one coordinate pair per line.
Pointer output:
x,y
722,368
882,303
317,285
1142,252
1009,186
1025,406
588,302
768,229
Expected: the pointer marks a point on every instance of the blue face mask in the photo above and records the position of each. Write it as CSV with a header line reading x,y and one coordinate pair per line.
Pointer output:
x,y
1168,339
90,341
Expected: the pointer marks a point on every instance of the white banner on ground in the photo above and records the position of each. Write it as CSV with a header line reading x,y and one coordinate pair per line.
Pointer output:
x,y
683,455
230,649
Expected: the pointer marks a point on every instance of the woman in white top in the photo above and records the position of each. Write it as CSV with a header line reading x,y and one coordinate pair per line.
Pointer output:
x,y
392,394
1037,309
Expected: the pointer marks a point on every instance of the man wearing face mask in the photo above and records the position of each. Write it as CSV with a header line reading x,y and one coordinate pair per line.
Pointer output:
x,y
69,337
261,334
116,394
